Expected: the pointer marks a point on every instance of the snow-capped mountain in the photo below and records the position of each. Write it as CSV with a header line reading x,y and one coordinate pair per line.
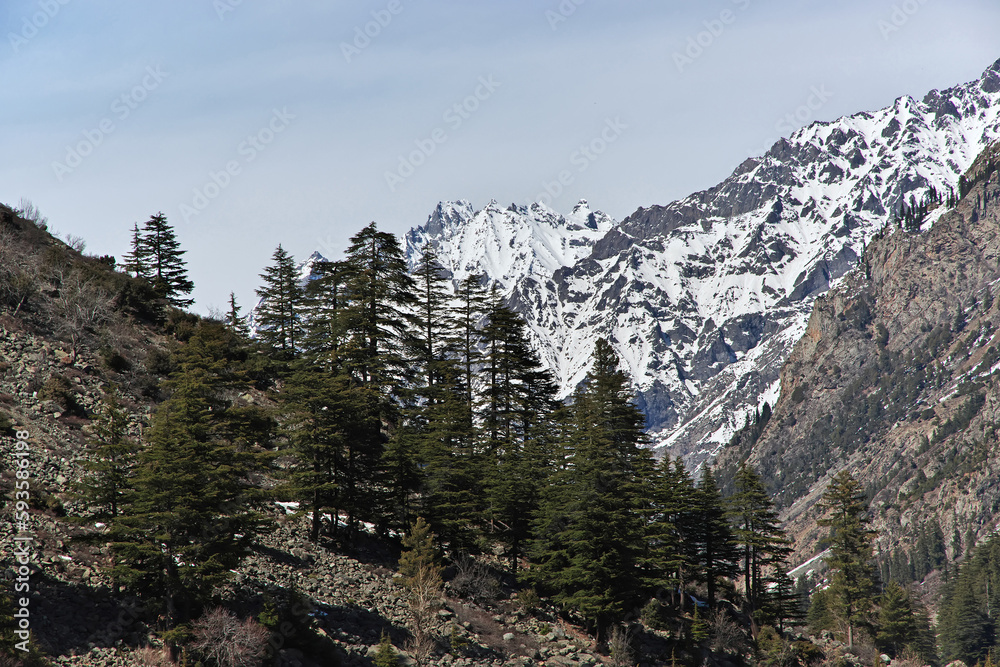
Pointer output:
x,y
703,298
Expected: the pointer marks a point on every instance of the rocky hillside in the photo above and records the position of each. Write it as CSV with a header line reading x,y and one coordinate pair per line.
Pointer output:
x,y
54,372
897,379
704,298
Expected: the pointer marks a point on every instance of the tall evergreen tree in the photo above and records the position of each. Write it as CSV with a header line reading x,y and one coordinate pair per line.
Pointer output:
x,y
515,415
590,535
323,311
852,588
438,425
136,261
380,293
279,322
714,547
233,318
162,261
670,528
468,312
112,468
189,519
762,544
896,625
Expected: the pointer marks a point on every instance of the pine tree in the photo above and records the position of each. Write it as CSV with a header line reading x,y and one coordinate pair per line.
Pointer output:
x,y
112,468
324,308
762,544
188,520
136,261
670,528
469,310
437,425
386,655
324,414
515,415
279,322
853,582
162,261
233,318
714,548
379,291
895,620
590,535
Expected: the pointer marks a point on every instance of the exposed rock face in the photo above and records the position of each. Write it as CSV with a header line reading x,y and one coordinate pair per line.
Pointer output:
x,y
897,379
704,298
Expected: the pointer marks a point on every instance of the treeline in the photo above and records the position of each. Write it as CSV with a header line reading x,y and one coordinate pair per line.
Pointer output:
x,y
399,395
855,604
968,623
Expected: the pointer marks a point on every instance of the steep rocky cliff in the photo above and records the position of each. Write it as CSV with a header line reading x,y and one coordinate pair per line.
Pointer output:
x,y
897,379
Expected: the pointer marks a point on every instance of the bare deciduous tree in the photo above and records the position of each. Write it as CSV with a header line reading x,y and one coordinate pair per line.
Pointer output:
x,y
228,641
79,305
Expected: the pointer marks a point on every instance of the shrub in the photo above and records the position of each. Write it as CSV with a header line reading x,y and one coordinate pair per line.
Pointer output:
x,y
474,581
7,426
386,655
114,360
228,641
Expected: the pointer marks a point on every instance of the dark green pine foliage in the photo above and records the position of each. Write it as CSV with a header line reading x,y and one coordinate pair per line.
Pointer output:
x,y
785,602
111,469
189,519
159,255
712,541
323,314
895,620
590,536
852,588
380,293
438,423
327,411
278,318
967,616
670,527
234,319
325,414
516,407
469,310
761,543
135,262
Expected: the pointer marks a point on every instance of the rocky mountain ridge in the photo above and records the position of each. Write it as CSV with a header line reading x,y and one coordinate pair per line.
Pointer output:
x,y
704,298
897,379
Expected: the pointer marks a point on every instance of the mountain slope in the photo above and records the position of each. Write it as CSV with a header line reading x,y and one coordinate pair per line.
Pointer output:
x,y
897,379
704,298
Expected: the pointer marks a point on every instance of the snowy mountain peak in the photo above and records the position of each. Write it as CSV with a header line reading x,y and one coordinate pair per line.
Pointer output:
x,y
704,297
506,244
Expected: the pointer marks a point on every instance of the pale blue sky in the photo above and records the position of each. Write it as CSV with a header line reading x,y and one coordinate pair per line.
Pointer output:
x,y
163,95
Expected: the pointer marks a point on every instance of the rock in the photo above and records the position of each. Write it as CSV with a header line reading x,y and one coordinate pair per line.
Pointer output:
x,y
508,637
885,658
